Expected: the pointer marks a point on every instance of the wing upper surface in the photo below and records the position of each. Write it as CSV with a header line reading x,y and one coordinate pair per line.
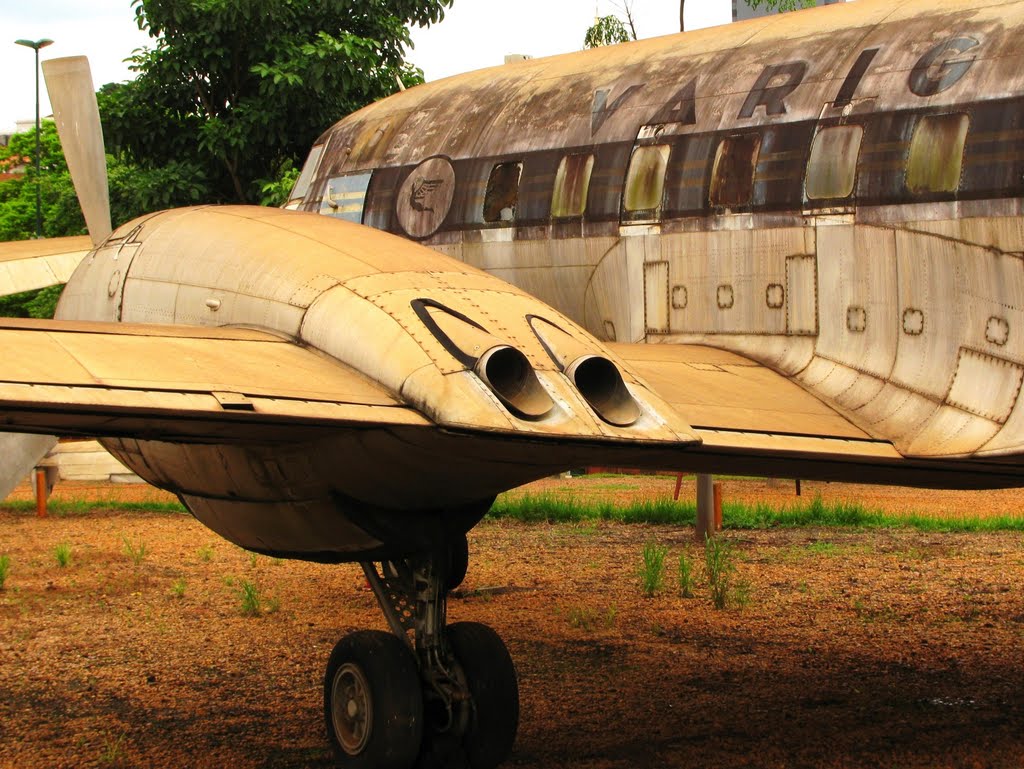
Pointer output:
x,y
26,265
179,382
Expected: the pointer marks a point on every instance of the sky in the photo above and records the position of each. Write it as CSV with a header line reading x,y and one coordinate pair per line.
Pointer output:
x,y
474,34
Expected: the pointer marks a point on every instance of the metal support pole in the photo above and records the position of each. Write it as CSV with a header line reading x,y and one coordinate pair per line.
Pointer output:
x,y
39,198
705,507
36,45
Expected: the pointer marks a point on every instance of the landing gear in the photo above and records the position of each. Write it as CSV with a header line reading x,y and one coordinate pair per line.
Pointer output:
x,y
428,692
372,702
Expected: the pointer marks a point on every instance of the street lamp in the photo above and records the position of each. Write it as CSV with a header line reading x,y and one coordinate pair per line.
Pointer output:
x,y
36,45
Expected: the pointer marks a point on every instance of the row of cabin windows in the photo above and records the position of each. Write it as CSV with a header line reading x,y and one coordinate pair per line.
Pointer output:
x,y
933,166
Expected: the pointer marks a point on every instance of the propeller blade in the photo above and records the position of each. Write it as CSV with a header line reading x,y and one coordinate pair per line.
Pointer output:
x,y
73,98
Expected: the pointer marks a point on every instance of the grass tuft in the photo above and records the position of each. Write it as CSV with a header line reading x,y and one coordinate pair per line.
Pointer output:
x,y
725,587
178,588
686,577
5,568
652,568
62,554
253,602
135,551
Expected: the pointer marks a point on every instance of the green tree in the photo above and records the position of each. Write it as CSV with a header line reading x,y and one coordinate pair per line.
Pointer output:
x,y
607,30
241,88
780,5
59,206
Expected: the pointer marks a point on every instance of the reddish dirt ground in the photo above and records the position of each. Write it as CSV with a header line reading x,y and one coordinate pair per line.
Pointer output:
x,y
889,648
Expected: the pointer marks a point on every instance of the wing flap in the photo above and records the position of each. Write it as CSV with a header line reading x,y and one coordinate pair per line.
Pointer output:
x,y
718,390
166,382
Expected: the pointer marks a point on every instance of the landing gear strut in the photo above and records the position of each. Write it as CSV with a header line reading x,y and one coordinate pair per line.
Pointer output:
x,y
447,695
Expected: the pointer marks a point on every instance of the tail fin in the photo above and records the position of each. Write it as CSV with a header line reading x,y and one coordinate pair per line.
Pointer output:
x,y
18,455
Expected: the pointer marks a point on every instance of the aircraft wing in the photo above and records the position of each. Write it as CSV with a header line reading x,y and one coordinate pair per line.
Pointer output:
x,y
753,420
179,383
26,265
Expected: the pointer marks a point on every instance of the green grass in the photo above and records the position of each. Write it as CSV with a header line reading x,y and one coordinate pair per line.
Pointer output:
x,y
726,588
687,582
5,568
62,554
532,508
652,568
135,551
253,602
205,553
178,588
61,507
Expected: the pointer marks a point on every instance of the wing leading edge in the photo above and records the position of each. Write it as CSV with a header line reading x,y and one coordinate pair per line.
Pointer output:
x,y
179,383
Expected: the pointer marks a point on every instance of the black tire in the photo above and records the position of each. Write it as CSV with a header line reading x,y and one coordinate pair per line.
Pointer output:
x,y
458,562
373,702
491,678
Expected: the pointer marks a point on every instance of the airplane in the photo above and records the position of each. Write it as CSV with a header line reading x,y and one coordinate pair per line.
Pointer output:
x,y
787,247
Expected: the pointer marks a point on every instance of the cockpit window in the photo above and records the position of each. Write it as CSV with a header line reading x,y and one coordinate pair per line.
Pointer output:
x,y
306,177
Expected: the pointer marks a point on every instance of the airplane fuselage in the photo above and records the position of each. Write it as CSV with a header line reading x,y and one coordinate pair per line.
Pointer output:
x,y
836,195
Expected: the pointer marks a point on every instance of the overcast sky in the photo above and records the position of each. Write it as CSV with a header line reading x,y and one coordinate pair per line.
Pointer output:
x,y
474,34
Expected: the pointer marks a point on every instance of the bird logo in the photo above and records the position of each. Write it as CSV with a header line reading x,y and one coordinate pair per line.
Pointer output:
x,y
421,191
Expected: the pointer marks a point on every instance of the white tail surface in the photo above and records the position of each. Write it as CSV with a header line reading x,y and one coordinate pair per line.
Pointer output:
x,y
73,98
18,455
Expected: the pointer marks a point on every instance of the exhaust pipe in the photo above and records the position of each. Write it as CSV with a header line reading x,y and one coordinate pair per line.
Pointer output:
x,y
511,377
600,383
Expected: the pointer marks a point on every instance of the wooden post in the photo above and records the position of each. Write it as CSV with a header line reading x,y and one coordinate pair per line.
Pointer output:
x,y
705,507
717,486
798,487
41,492
679,485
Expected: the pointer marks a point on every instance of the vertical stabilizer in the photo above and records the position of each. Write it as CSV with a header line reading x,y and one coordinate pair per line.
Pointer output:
x,y
18,455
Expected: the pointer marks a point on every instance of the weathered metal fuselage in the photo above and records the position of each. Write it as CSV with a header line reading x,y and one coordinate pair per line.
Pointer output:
x,y
835,193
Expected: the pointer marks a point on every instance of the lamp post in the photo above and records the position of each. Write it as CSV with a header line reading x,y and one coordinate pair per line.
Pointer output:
x,y
36,45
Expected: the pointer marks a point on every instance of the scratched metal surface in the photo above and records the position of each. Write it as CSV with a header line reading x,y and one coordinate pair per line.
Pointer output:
x,y
899,303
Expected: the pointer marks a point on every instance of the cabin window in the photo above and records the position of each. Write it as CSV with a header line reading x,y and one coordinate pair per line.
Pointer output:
x,y
645,179
308,172
832,167
345,197
732,178
572,180
937,153
502,195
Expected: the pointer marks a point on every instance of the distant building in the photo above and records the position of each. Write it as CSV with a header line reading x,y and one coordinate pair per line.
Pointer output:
x,y
741,10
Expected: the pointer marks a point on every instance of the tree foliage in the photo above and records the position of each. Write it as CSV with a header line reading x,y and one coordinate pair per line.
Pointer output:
x,y
241,88
607,30
780,5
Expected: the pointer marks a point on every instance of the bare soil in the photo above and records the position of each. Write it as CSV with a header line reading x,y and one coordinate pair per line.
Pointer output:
x,y
856,648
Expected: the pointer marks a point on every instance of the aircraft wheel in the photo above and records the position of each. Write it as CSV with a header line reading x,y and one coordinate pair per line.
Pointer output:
x,y
491,679
373,702
458,562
